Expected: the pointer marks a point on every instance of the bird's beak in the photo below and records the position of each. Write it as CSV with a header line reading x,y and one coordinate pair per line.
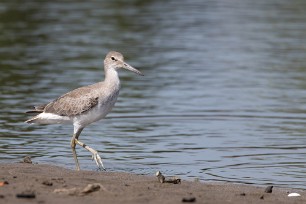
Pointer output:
x,y
129,67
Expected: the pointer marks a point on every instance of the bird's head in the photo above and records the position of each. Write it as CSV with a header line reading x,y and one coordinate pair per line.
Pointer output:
x,y
115,60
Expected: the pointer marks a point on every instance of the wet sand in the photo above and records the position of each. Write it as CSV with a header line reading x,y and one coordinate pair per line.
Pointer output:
x,y
40,183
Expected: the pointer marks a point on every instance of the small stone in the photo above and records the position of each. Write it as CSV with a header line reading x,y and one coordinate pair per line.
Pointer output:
x,y
262,197
242,194
27,159
26,194
268,189
47,183
188,199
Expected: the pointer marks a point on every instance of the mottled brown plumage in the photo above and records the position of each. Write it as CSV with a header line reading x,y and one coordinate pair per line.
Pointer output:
x,y
74,102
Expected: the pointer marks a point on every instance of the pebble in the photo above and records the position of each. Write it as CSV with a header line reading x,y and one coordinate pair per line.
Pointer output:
x,y
26,194
27,159
268,189
47,183
188,199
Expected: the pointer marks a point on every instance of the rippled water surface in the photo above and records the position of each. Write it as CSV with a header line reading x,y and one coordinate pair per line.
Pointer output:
x,y
223,97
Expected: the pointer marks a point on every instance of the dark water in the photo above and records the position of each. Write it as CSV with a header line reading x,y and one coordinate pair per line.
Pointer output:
x,y
223,97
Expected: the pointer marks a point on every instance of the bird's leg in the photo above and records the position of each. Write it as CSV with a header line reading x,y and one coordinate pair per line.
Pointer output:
x,y
72,144
95,154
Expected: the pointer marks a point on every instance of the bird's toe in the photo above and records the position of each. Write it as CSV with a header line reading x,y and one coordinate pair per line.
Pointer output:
x,y
98,161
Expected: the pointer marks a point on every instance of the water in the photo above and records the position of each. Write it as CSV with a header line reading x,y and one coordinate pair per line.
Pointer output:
x,y
223,97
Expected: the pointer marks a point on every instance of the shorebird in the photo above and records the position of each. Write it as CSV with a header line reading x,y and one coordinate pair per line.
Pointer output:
x,y
85,105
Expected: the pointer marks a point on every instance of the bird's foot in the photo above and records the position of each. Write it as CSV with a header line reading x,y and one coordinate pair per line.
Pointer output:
x,y
98,160
95,155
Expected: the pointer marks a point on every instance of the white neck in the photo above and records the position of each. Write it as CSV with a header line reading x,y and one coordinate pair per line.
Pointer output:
x,y
112,78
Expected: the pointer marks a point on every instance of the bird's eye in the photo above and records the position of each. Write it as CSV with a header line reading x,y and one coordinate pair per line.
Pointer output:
x,y
113,58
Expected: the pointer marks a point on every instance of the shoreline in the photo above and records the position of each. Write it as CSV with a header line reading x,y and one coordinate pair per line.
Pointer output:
x,y
44,183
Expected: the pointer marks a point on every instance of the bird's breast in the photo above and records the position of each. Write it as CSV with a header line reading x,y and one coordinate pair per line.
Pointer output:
x,y
106,104
98,112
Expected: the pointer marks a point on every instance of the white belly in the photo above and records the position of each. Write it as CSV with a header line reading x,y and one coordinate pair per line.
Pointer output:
x,y
95,114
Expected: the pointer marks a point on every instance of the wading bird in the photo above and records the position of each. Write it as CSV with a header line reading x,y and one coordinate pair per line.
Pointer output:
x,y
85,105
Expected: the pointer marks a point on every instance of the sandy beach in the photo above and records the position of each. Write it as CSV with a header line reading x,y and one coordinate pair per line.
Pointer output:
x,y
41,183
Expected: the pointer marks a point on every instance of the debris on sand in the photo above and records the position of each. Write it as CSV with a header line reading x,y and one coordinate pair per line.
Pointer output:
x,y
161,178
47,183
294,195
78,191
268,189
188,199
67,191
2,183
26,194
174,180
27,159
91,188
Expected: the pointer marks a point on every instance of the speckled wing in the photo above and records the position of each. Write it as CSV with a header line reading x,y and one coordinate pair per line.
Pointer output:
x,y
74,103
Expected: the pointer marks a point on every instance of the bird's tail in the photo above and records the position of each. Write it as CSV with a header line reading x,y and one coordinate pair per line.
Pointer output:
x,y
37,109
32,120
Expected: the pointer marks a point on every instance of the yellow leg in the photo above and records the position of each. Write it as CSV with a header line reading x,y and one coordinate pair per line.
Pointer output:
x,y
76,134
72,144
